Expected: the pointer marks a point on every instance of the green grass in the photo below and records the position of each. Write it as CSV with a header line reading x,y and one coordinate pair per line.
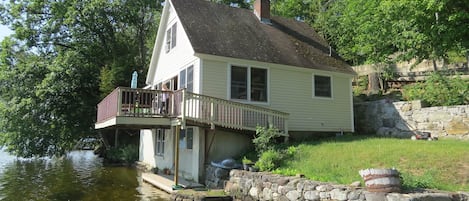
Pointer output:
x,y
442,164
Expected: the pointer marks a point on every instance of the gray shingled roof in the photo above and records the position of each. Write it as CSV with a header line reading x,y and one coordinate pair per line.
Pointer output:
x,y
222,30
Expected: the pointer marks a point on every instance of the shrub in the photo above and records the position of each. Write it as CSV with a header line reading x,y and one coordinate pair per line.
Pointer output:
x,y
269,160
129,153
265,139
246,160
410,181
439,90
291,150
126,154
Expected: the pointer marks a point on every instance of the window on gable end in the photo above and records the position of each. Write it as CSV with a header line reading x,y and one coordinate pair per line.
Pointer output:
x,y
322,86
171,36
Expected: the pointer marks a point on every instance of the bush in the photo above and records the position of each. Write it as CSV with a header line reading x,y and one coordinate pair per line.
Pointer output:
x,y
126,154
129,154
265,139
272,158
269,160
439,90
410,181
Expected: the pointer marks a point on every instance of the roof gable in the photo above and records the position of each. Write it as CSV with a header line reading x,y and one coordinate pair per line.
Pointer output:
x,y
222,30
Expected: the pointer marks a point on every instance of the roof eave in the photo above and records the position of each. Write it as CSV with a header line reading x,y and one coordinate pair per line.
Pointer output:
x,y
263,63
158,44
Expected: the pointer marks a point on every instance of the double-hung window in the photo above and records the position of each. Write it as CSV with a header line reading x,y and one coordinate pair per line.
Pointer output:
x,y
322,86
171,37
160,141
248,83
186,79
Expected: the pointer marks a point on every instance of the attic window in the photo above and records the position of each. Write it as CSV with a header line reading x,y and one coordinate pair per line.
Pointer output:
x,y
171,37
322,86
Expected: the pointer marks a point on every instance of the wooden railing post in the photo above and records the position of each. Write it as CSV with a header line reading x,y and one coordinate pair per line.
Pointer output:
x,y
212,115
183,109
119,101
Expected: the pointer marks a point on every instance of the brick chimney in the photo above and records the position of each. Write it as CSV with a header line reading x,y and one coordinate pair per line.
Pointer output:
x,y
262,10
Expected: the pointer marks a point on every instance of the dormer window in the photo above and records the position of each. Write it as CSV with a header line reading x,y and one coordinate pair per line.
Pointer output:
x,y
171,37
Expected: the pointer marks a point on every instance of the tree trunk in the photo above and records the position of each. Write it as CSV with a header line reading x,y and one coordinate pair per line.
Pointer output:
x,y
373,83
435,66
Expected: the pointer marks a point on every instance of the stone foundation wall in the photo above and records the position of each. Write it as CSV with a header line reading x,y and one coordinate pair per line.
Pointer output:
x,y
244,185
216,177
400,119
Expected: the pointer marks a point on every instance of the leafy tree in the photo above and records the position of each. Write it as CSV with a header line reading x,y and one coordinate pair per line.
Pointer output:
x,y
238,3
50,71
382,31
308,11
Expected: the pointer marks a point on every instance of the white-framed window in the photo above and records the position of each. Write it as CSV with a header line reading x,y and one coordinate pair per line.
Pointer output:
x,y
322,86
159,142
186,79
171,37
248,83
186,138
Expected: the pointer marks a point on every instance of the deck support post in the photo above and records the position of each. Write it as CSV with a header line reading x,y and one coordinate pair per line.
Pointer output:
x,y
116,134
176,155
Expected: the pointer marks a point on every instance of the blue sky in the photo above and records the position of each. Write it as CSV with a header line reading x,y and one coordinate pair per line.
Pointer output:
x,y
4,31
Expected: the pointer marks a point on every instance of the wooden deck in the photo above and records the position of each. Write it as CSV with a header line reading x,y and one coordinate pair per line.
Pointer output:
x,y
166,183
143,108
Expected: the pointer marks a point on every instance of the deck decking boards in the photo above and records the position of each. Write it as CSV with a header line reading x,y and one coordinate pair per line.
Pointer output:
x,y
165,182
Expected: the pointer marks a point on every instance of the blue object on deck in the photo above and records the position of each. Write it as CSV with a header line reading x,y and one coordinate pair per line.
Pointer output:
x,y
133,83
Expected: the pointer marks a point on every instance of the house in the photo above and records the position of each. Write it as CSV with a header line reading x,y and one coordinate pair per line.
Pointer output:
x,y
227,70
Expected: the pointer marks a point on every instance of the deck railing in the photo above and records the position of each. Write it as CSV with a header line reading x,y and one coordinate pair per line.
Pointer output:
x,y
125,101
189,106
228,114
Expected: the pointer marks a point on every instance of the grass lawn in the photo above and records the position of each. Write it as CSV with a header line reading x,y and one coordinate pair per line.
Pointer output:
x,y
442,164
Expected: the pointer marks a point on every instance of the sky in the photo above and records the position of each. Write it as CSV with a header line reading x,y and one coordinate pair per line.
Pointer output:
x,y
4,31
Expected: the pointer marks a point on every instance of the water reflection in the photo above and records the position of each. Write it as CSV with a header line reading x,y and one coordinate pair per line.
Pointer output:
x,y
78,176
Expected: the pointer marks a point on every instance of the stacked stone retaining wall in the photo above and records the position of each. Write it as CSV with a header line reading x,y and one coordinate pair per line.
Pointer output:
x,y
215,177
402,119
244,185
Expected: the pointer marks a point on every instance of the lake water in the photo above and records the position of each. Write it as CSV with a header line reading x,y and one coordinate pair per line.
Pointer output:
x,y
78,176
